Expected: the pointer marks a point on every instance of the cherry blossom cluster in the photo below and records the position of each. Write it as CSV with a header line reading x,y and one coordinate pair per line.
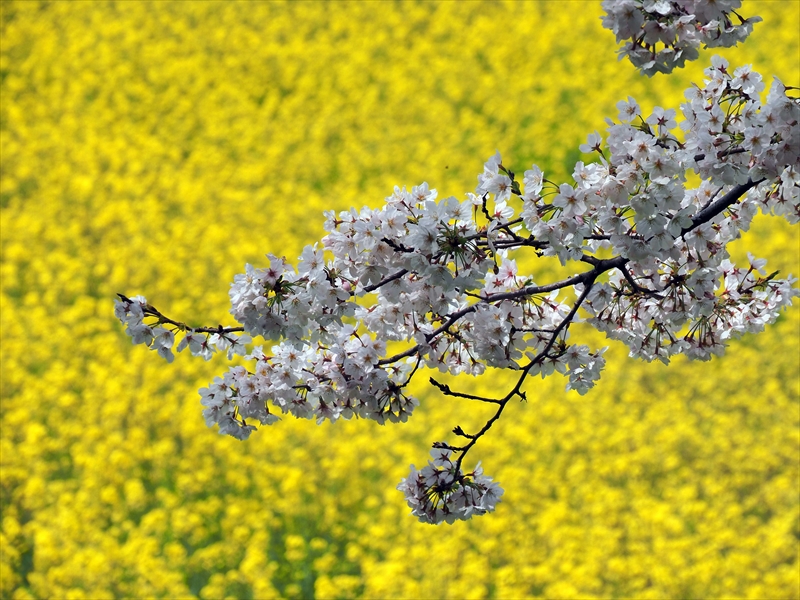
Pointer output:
x,y
428,282
679,26
635,201
309,383
441,492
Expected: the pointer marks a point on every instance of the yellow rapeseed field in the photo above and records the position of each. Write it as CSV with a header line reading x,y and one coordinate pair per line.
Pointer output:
x,y
156,147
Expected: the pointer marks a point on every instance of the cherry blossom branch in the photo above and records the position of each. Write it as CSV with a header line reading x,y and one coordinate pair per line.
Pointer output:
x,y
721,154
426,272
528,291
719,205
152,311
587,278
447,391
590,277
385,280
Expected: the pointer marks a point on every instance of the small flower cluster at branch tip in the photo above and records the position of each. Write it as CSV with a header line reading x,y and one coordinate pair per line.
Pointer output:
x,y
679,26
437,280
441,492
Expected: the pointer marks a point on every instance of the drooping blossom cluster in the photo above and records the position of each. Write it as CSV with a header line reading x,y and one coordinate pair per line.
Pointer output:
x,y
661,35
441,492
429,282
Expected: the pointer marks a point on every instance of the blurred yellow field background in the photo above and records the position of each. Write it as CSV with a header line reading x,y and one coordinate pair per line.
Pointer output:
x,y
156,147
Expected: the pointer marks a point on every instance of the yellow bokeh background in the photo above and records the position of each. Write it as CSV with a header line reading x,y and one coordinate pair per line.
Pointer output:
x,y
156,147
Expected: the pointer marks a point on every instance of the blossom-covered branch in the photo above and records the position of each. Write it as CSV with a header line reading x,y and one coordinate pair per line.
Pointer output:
x,y
203,341
423,281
